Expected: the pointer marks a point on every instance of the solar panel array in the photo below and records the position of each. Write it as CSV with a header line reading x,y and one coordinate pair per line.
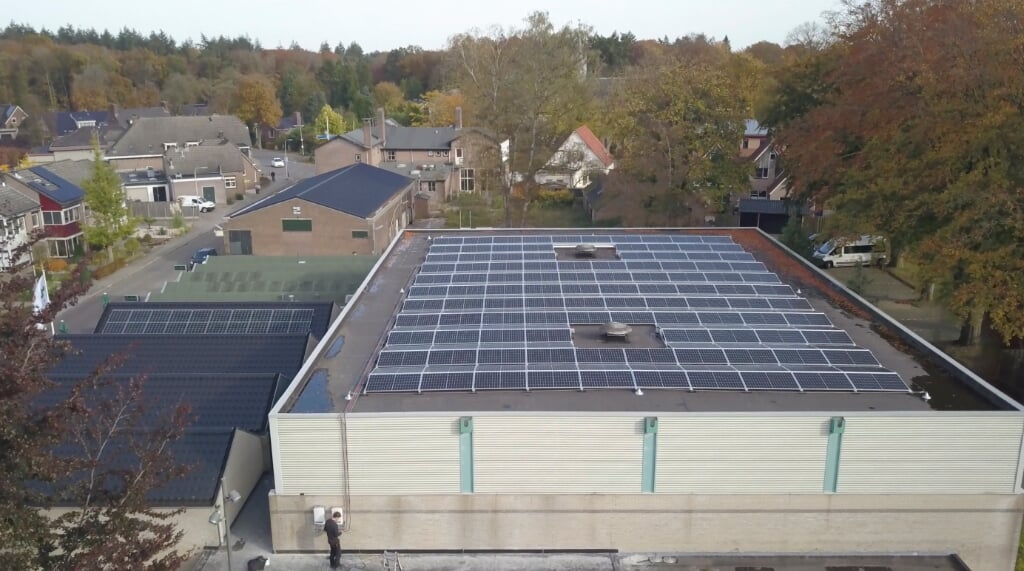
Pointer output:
x,y
499,312
207,321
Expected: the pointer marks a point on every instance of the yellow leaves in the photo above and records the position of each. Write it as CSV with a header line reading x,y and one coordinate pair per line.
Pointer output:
x,y
440,108
255,101
387,95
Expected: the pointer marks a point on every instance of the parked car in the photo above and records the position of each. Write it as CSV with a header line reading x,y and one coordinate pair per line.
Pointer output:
x,y
277,162
201,256
862,251
196,202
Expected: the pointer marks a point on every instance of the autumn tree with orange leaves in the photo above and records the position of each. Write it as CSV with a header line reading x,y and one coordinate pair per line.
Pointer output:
x,y
911,124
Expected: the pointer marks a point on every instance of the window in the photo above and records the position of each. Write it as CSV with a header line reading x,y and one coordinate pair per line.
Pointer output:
x,y
52,219
762,172
391,156
63,247
35,219
430,153
360,234
191,144
229,182
746,143
359,158
169,146
432,186
61,217
296,225
468,183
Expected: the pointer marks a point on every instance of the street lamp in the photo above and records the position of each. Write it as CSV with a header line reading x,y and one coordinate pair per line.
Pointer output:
x,y
219,516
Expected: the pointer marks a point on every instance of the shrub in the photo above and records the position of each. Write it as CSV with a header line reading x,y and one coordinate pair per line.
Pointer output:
x,y
178,222
147,239
230,201
56,265
554,197
239,196
132,246
162,231
108,269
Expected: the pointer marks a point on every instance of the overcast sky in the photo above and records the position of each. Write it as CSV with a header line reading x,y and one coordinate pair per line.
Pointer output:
x,y
382,26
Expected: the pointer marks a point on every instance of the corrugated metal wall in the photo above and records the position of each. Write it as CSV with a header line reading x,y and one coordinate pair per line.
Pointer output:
x,y
934,454
308,454
403,455
557,455
741,454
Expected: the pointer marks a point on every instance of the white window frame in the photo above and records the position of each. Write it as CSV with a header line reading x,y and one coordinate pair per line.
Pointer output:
x,y
432,186
467,180
169,146
359,158
230,182
190,144
54,246
35,219
391,156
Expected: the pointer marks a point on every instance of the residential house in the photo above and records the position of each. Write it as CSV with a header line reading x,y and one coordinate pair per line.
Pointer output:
x,y
150,185
769,179
11,118
180,144
19,218
286,125
215,171
60,195
74,146
443,160
356,209
579,158
63,122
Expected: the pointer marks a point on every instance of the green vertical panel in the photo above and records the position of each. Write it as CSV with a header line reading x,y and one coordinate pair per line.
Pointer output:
x,y
650,456
836,427
466,454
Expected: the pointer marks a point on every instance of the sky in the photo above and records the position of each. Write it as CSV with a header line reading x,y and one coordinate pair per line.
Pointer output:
x,y
428,24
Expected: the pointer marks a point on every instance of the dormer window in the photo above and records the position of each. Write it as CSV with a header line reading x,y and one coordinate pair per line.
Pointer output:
x,y
191,144
170,146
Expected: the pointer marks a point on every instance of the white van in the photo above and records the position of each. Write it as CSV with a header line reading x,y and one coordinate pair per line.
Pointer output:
x,y
196,202
862,251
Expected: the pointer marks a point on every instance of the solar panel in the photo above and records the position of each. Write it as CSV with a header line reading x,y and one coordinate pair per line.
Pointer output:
x,y
173,321
499,313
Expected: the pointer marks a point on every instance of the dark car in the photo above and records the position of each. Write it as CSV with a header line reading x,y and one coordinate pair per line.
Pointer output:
x,y
201,256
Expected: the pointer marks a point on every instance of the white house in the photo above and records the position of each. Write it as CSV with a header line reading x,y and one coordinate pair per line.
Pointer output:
x,y
576,160
19,216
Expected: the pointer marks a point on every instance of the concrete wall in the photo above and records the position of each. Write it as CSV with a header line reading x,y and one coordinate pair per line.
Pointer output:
x,y
983,529
194,187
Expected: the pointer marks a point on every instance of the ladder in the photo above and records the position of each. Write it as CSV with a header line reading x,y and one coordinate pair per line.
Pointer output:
x,y
391,561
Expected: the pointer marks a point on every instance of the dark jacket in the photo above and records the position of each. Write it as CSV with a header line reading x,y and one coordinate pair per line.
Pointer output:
x,y
332,531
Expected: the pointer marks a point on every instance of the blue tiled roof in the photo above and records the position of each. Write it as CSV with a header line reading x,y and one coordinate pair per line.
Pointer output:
x,y
67,121
358,189
55,187
8,110
225,401
184,354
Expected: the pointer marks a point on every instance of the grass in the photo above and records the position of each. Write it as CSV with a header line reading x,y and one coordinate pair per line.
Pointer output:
x,y
481,211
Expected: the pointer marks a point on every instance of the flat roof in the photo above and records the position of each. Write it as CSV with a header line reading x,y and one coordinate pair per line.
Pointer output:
x,y
744,328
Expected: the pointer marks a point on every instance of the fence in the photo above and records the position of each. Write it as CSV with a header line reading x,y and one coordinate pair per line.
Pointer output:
x,y
161,210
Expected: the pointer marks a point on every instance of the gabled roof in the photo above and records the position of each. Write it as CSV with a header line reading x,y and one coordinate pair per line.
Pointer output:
x,y
126,117
67,121
13,203
82,138
407,138
204,159
148,135
51,181
6,110
184,354
595,145
359,190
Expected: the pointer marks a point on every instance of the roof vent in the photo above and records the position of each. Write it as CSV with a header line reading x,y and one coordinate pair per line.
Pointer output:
x,y
616,329
585,250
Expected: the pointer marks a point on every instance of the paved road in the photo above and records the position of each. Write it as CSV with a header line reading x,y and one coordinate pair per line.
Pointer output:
x,y
149,273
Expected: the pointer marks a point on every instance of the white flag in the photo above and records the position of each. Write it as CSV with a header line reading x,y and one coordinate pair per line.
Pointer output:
x,y
41,296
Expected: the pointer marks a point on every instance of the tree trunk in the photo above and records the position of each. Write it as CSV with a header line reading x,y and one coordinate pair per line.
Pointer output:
x,y
970,332
110,253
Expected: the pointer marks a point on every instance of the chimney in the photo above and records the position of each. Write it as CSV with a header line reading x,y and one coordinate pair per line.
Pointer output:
x,y
381,126
368,133
458,118
112,119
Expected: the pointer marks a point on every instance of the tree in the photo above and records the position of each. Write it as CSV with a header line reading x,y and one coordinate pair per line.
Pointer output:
x,y
909,125
387,95
109,221
255,102
527,87
678,127
440,108
329,121
72,450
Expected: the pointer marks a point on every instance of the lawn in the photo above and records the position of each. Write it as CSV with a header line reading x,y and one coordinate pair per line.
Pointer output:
x,y
482,211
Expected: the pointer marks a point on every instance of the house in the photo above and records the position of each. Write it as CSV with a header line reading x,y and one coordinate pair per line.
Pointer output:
x,y
358,209
151,185
443,160
11,118
581,156
286,125
76,145
60,195
63,122
217,146
769,180
19,218
215,171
